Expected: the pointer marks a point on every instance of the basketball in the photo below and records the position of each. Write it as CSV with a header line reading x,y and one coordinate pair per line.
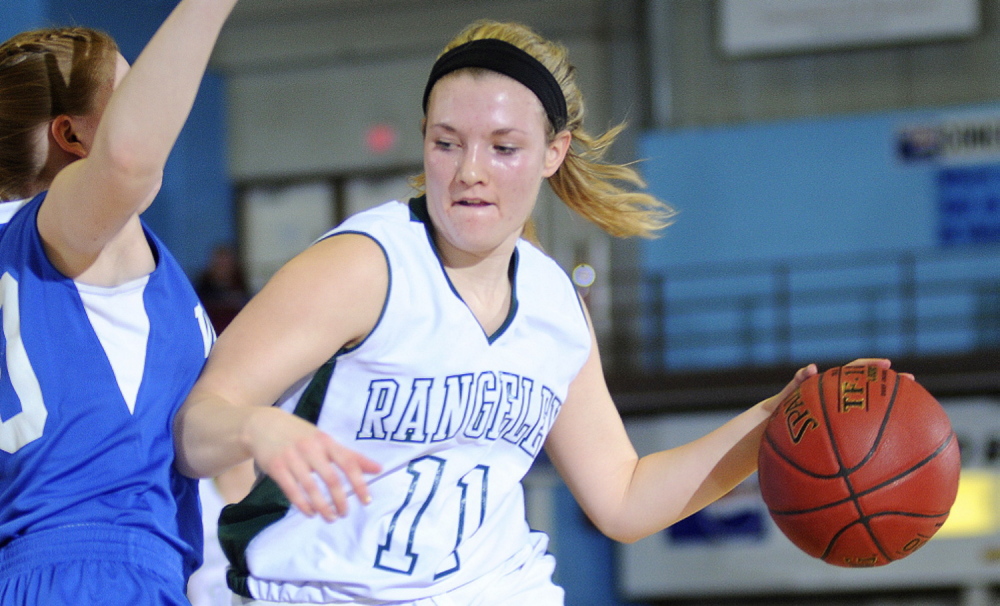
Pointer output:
x,y
859,466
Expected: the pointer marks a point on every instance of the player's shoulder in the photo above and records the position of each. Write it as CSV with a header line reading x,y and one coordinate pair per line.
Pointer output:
x,y
536,263
378,217
9,209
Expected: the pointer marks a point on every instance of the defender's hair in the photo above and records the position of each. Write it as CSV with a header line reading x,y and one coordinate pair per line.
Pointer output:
x,y
44,74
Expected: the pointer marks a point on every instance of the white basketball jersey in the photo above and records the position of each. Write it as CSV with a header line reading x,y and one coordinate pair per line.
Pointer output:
x,y
454,416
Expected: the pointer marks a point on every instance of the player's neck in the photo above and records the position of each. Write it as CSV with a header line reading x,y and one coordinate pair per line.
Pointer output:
x,y
487,294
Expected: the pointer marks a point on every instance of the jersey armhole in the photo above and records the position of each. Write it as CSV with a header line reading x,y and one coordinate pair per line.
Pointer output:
x,y
388,266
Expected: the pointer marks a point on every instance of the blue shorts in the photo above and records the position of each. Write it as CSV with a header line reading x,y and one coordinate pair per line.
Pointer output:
x,y
91,564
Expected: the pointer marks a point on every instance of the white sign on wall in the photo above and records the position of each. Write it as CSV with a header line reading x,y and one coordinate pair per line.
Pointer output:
x,y
754,27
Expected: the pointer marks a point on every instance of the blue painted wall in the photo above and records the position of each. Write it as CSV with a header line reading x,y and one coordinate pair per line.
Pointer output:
x,y
899,211
195,207
16,16
800,188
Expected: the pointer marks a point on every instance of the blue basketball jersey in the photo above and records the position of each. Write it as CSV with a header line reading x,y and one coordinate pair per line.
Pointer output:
x,y
90,381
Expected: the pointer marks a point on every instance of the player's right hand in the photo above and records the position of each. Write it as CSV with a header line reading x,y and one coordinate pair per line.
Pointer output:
x,y
295,453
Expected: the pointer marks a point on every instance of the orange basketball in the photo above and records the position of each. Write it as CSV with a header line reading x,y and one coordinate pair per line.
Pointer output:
x,y
859,466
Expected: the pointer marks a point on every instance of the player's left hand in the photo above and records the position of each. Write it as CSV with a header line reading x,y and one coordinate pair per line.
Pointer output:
x,y
805,372
801,375
879,362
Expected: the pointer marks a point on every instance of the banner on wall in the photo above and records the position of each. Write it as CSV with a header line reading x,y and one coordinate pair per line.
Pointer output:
x,y
967,149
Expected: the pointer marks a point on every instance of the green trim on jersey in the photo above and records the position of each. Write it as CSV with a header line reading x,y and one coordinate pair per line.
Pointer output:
x,y
240,522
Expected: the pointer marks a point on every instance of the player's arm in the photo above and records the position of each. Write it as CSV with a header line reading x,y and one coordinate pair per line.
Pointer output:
x,y
92,199
628,497
327,297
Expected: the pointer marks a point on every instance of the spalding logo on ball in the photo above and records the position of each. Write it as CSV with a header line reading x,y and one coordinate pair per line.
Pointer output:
x,y
859,467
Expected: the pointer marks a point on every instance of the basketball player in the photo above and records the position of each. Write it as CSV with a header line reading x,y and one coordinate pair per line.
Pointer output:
x,y
423,353
102,331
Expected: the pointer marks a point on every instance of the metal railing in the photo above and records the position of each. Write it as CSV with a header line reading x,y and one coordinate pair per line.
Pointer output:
x,y
830,308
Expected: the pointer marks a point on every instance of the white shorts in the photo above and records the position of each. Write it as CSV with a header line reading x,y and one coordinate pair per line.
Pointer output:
x,y
528,585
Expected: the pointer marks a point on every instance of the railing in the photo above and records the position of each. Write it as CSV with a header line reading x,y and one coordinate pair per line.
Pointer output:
x,y
830,308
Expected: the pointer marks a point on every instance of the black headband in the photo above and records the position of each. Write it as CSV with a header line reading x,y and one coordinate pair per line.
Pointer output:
x,y
507,59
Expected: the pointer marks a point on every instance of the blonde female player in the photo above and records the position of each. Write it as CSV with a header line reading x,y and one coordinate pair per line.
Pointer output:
x,y
424,352
102,331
